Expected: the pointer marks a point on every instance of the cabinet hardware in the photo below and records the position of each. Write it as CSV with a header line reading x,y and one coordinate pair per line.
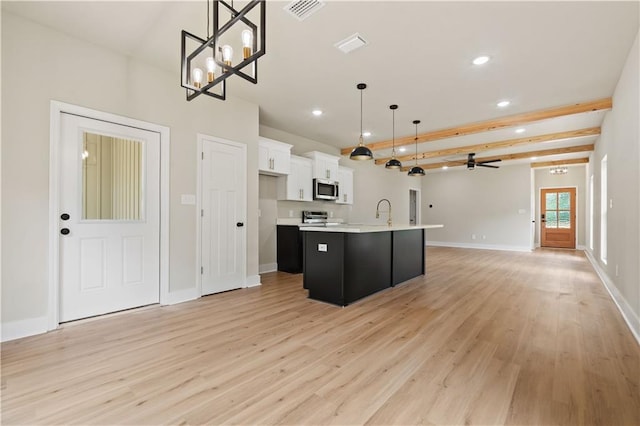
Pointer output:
x,y
65,231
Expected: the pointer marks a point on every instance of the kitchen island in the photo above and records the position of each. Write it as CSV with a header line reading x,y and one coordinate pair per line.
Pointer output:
x,y
345,263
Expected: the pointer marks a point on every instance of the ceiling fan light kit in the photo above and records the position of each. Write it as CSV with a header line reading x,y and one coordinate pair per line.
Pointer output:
x,y
361,152
216,56
393,163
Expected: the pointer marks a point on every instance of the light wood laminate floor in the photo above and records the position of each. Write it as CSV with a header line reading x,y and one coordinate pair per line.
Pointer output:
x,y
486,338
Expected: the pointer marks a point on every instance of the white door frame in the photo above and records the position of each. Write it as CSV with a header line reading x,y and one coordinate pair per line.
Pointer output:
x,y
539,212
201,139
57,109
418,205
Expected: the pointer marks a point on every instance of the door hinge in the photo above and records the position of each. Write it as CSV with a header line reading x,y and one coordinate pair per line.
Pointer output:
x,y
201,270
202,155
201,212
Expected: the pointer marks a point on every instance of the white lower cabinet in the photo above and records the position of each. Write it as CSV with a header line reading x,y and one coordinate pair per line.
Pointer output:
x,y
298,184
345,185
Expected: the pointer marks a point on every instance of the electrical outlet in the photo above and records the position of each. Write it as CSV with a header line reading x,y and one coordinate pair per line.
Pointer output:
x,y
290,213
611,203
322,247
473,236
484,237
617,272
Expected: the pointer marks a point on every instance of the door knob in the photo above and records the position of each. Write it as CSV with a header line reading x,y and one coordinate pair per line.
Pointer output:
x,y
65,216
239,224
65,231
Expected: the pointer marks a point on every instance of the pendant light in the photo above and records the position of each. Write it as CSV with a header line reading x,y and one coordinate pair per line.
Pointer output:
x,y
416,170
393,163
361,152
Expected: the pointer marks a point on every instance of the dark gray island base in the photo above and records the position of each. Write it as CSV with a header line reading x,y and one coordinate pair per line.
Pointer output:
x,y
342,267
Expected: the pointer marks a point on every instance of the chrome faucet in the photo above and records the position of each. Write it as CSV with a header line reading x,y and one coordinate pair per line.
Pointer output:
x,y
389,211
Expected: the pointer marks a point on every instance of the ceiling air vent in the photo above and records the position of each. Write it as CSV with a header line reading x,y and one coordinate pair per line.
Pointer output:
x,y
351,43
302,9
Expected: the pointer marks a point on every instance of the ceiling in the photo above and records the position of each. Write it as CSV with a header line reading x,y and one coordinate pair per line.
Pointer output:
x,y
543,55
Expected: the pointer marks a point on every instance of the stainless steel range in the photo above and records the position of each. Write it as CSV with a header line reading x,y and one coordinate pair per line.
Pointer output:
x,y
314,218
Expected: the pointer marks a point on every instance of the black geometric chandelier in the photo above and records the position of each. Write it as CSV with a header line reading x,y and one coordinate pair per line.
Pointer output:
x,y
206,64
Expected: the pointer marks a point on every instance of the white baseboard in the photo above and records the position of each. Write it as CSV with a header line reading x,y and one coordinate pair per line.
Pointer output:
x,y
477,246
252,281
579,247
630,317
180,296
23,328
267,267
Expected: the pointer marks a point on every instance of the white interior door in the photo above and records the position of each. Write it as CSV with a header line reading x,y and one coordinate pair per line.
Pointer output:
x,y
223,215
109,217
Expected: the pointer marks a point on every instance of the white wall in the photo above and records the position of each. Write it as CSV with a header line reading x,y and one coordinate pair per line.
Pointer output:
x,y
40,65
620,141
575,177
492,204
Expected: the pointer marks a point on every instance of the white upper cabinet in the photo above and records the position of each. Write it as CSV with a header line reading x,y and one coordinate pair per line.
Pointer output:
x,y
345,187
325,166
297,185
273,157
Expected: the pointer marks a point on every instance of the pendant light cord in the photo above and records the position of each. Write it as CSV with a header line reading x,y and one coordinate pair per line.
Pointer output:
x,y
360,115
416,144
208,21
393,134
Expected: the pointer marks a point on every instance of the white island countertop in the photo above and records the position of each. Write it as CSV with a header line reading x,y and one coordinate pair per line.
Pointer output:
x,y
362,228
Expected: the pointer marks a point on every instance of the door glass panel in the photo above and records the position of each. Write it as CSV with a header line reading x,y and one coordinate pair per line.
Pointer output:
x,y
564,220
551,201
552,219
111,178
564,200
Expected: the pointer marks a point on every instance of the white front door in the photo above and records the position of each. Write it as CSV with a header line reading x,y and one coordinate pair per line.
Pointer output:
x,y
223,215
109,217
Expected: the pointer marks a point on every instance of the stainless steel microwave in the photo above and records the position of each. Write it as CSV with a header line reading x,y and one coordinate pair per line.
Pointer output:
x,y
324,189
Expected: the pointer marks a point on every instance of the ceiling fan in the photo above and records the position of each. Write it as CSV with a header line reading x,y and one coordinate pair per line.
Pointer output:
x,y
472,163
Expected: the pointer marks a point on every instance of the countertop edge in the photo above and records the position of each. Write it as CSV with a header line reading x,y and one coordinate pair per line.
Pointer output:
x,y
368,228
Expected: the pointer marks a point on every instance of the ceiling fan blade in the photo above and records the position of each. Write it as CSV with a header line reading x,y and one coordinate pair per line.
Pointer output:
x,y
489,161
487,165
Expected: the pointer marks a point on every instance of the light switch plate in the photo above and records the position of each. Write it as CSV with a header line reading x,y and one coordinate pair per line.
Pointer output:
x,y
188,199
322,247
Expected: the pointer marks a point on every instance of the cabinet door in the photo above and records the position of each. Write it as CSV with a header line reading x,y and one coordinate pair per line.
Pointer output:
x,y
280,159
305,180
332,170
263,157
298,185
273,157
345,188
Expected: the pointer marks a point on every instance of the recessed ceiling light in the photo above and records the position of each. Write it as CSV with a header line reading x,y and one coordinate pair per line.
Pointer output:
x,y
534,158
366,134
520,130
402,149
445,167
317,112
481,60
503,104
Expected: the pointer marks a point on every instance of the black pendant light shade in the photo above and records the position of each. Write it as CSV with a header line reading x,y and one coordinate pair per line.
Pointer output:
x,y
393,163
361,152
416,170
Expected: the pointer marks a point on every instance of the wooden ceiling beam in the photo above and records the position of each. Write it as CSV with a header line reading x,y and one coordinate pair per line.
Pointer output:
x,y
559,162
518,156
494,124
496,145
